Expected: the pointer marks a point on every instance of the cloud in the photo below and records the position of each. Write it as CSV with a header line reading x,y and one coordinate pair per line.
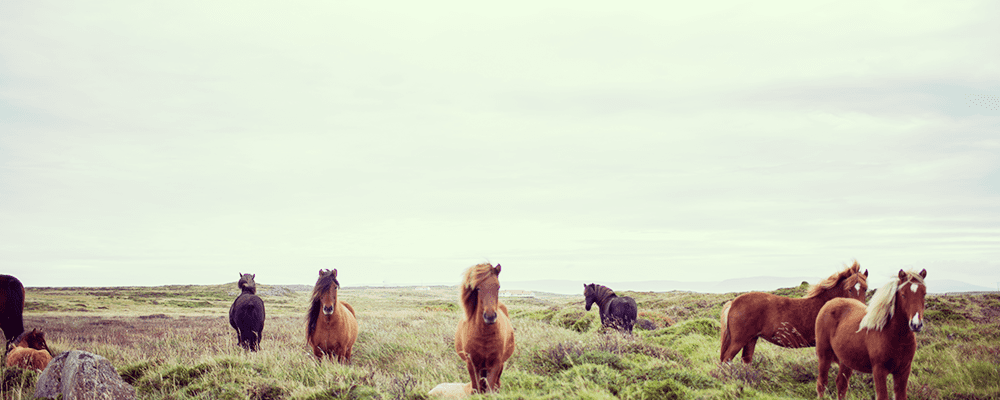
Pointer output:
x,y
408,143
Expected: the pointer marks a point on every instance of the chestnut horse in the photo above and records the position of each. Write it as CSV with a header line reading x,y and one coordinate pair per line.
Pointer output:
x,y
29,351
485,337
781,320
331,327
877,339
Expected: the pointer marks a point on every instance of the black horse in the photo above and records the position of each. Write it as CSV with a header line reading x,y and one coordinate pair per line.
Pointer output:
x,y
247,314
616,312
11,308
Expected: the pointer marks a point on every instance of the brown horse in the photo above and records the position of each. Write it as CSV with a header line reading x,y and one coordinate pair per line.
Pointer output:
x,y
29,351
877,339
485,337
781,320
331,327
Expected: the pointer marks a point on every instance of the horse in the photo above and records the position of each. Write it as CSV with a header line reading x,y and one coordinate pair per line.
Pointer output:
x,y
29,351
784,321
335,331
246,315
485,337
11,307
616,312
877,339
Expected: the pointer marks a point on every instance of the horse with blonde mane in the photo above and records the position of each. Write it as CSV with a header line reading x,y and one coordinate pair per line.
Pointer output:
x,y
29,351
783,321
877,339
485,337
331,326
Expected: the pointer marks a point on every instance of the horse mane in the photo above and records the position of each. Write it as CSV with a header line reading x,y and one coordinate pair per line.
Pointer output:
x,y
322,285
847,276
471,278
602,293
883,302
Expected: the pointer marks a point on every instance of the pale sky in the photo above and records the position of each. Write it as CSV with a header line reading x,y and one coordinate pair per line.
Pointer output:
x,y
184,142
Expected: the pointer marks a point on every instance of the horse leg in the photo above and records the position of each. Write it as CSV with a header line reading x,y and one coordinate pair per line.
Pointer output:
x,y
493,380
899,379
730,347
474,377
881,377
843,378
821,378
748,349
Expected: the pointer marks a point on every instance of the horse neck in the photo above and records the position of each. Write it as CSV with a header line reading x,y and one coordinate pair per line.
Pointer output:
x,y
604,300
247,290
898,323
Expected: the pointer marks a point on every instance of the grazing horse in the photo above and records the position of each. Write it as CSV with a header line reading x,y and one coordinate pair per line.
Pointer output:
x,y
29,351
877,339
246,315
781,320
485,337
11,307
616,312
331,327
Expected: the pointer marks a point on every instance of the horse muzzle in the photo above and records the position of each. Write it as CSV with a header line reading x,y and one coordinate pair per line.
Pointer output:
x,y
490,318
328,310
916,324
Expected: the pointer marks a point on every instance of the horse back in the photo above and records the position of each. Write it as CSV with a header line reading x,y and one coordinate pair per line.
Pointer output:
x,y
28,358
349,308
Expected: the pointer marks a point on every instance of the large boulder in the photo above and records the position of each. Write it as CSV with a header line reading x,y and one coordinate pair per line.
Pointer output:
x,y
81,375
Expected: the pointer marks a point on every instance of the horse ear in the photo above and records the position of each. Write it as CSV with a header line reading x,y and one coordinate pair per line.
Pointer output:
x,y
923,273
334,272
321,272
254,276
498,269
902,274
866,273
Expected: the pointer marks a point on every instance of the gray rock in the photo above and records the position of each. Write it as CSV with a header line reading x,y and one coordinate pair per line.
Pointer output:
x,y
81,375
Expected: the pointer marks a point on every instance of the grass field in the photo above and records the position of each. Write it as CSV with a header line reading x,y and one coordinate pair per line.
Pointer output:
x,y
175,342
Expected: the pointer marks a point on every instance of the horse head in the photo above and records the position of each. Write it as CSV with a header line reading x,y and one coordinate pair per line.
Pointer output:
x,y
589,294
850,283
328,285
247,283
488,295
910,298
856,285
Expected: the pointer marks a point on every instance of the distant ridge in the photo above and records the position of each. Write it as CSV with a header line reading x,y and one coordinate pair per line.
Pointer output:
x,y
759,283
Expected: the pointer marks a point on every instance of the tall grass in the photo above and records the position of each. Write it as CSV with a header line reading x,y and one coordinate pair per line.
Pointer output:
x,y
406,347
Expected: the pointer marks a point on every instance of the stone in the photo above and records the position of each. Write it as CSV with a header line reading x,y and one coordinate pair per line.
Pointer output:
x,y
78,375
451,391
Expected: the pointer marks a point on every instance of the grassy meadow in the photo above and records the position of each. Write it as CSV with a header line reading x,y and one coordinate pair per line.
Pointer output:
x,y
175,342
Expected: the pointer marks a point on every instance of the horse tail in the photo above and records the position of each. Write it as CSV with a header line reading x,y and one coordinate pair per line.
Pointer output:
x,y
629,313
724,329
11,307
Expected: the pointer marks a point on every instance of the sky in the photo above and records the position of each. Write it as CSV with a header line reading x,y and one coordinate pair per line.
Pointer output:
x,y
185,142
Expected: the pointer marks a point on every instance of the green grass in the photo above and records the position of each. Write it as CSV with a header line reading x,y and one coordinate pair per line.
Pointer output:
x,y
176,343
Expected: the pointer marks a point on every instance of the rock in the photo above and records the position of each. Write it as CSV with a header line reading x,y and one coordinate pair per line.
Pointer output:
x,y
452,390
81,375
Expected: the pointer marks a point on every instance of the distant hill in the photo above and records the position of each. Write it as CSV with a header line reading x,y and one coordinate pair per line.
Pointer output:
x,y
760,283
